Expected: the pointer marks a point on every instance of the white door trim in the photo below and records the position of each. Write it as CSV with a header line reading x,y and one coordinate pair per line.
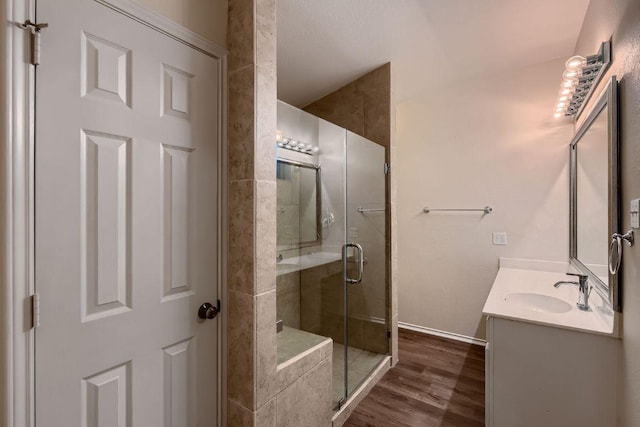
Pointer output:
x,y
16,201
165,26
16,341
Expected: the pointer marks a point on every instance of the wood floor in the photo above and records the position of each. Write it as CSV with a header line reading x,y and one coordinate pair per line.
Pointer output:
x,y
437,382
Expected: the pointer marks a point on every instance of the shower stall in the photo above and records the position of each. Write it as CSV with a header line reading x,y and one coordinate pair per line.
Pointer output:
x,y
332,265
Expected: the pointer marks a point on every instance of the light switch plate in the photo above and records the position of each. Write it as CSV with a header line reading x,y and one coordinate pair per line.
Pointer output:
x,y
634,213
499,237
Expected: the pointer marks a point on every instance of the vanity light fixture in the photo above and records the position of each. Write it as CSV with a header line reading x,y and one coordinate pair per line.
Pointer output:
x,y
580,76
293,145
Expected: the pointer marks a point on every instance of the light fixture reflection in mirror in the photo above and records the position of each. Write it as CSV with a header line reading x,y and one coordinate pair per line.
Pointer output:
x,y
294,145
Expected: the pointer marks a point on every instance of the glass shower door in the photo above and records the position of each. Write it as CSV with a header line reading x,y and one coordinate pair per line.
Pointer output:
x,y
326,199
364,258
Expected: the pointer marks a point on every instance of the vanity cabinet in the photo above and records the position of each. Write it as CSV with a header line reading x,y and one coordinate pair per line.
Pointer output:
x,y
539,375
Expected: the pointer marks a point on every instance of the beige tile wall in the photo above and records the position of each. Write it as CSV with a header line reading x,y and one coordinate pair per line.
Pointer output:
x,y
362,106
321,307
288,299
258,391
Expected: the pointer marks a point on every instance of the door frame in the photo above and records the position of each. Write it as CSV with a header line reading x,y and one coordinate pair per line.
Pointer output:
x,y
17,106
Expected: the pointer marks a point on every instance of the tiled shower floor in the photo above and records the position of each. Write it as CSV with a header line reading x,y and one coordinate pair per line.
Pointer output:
x,y
360,363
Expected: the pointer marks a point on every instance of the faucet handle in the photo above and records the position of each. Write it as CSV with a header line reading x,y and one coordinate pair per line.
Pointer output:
x,y
581,277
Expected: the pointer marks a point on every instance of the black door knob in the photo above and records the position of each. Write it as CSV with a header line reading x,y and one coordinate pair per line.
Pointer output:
x,y
208,311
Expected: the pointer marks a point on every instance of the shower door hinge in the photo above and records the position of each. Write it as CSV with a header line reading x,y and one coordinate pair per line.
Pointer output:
x,y
387,168
35,310
34,30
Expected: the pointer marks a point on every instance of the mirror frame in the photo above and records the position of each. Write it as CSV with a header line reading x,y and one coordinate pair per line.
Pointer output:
x,y
318,240
612,292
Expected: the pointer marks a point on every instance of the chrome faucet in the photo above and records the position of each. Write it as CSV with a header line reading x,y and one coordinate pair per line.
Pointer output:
x,y
584,290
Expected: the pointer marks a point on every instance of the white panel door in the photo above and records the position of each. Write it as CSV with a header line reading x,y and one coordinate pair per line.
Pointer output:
x,y
127,134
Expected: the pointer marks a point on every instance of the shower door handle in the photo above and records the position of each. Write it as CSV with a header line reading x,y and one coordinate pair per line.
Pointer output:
x,y
360,262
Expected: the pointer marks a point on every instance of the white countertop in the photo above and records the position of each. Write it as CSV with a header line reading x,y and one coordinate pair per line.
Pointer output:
x,y
527,278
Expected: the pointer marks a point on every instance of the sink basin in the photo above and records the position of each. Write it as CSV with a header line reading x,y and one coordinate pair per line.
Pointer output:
x,y
538,302
287,266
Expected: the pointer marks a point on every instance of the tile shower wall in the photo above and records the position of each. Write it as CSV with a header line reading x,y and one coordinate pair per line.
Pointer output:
x,y
362,106
258,389
288,300
321,308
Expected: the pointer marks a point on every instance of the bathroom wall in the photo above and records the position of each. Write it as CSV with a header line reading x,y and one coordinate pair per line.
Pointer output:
x,y
205,18
486,141
620,21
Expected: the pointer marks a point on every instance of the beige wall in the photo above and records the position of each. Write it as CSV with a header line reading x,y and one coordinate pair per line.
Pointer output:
x,y
489,141
620,21
208,18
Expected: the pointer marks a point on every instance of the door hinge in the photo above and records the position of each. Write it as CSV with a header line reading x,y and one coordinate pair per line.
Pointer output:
x,y
35,310
34,30
387,168
388,335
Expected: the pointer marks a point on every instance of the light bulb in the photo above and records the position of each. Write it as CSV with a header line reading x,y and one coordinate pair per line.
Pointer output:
x,y
315,149
280,144
564,98
575,62
565,91
568,83
570,74
293,143
557,115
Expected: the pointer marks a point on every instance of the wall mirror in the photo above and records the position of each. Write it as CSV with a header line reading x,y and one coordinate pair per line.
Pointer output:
x,y
594,213
299,204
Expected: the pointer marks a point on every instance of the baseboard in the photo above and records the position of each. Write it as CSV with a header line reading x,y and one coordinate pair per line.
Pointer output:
x,y
443,334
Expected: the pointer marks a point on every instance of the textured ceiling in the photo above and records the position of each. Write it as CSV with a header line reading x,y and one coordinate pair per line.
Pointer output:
x,y
325,44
